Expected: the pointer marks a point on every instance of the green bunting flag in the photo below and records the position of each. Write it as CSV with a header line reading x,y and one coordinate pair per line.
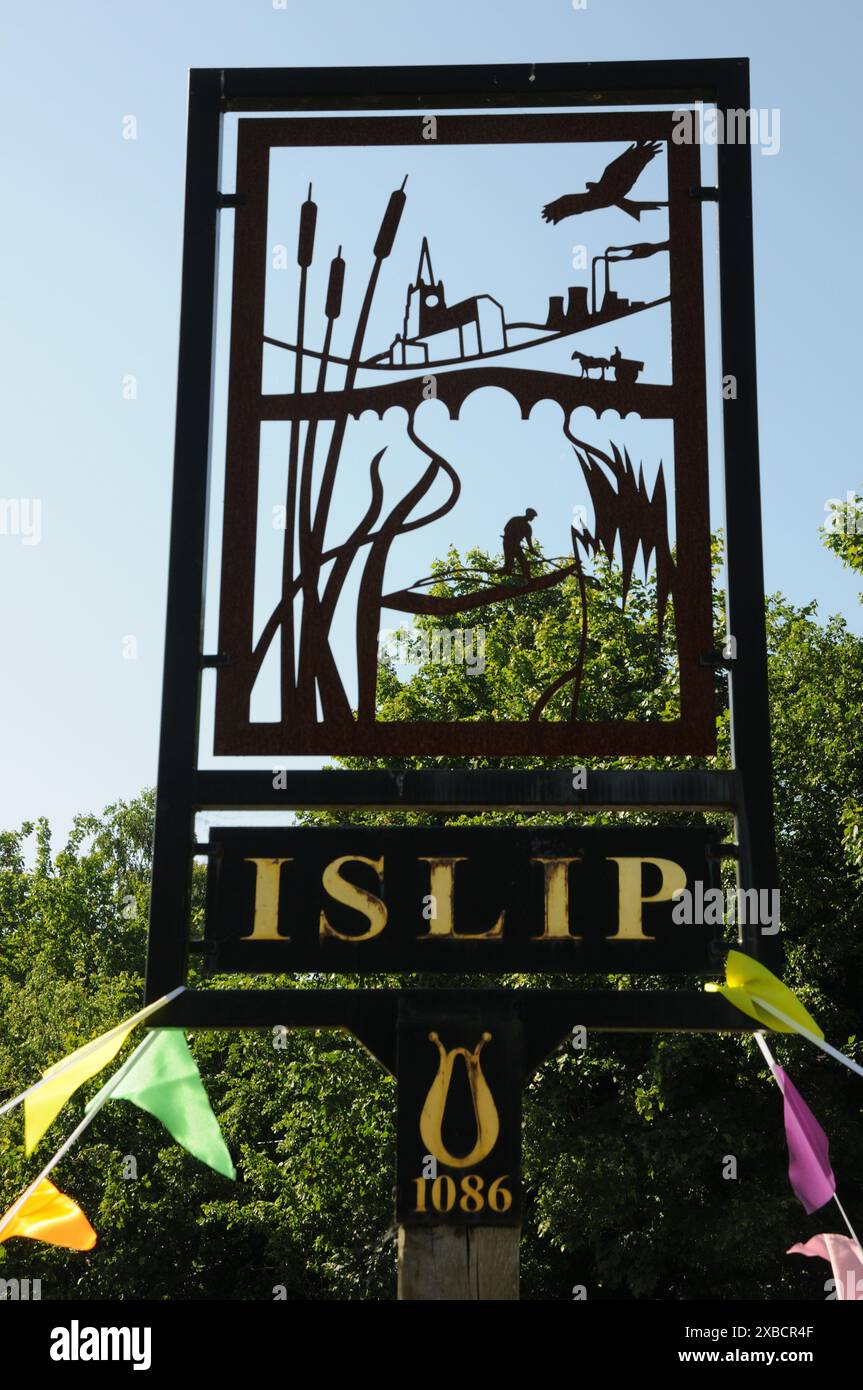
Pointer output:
x,y
162,1077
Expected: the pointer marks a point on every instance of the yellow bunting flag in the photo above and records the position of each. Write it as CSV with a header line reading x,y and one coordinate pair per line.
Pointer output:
x,y
44,1103
49,1215
747,982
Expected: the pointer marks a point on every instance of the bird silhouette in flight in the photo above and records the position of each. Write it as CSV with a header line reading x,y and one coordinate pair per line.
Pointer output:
x,y
612,188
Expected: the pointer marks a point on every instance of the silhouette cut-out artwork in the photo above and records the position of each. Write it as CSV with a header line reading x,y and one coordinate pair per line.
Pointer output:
x,y
625,369
346,476
518,543
611,189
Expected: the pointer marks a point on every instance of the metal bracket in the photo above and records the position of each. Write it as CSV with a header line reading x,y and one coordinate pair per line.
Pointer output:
x,y
214,659
722,852
705,195
230,200
547,1015
716,659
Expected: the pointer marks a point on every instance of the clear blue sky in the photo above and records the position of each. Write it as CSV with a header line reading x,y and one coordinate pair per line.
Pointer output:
x,y
90,271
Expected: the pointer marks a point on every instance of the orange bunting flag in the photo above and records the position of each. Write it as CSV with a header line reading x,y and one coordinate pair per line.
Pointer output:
x,y
49,1215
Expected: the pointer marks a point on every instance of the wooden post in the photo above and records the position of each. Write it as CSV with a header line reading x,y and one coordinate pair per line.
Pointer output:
x,y
459,1263
458,1207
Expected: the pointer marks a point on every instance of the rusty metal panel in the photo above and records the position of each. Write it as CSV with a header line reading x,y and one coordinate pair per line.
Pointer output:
x,y
336,372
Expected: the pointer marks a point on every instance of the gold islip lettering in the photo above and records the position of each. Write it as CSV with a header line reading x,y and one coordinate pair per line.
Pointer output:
x,y
630,898
267,883
341,891
442,889
556,898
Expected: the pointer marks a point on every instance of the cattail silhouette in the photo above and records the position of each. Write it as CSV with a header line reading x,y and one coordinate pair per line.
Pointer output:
x,y
305,252
316,664
335,285
390,224
306,243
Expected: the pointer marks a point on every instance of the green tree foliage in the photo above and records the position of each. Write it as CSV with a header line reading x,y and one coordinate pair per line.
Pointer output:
x,y
308,1117
843,533
844,536
626,1142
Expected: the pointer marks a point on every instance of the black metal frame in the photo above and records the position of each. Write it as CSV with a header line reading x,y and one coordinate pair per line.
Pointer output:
x,y
184,790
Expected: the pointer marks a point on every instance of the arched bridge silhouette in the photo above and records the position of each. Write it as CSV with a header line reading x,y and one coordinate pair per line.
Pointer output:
x,y
452,388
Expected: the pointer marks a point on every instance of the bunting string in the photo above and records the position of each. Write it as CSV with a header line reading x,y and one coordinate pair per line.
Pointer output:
x,y
89,1116
82,1053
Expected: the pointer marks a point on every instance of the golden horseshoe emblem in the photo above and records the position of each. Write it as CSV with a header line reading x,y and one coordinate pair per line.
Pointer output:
x,y
484,1108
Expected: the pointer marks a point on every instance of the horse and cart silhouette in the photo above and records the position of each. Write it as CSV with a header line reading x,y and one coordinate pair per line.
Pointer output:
x,y
625,369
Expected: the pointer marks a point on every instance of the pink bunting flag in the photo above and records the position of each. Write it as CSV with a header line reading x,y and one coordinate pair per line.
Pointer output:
x,y
844,1257
809,1170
